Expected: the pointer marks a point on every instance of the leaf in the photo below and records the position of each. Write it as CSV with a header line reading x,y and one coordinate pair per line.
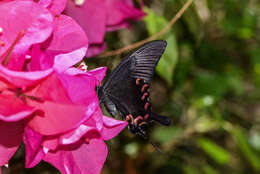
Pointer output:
x,y
166,65
216,152
209,170
190,170
209,84
244,146
166,134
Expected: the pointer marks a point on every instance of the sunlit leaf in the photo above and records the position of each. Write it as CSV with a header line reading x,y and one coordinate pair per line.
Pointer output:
x,y
216,152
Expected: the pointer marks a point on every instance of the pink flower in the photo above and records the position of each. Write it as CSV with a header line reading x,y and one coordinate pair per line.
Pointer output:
x,y
30,89
43,34
53,101
81,150
119,12
98,16
40,96
39,91
35,27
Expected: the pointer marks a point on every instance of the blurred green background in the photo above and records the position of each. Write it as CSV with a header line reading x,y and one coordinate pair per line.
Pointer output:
x,y
208,83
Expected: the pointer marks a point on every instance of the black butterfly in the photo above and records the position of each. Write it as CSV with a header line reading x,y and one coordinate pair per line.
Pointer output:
x,y
126,89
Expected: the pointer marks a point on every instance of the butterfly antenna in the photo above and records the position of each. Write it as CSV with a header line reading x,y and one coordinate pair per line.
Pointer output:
x,y
156,147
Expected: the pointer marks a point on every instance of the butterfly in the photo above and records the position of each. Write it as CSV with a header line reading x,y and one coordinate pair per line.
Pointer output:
x,y
127,88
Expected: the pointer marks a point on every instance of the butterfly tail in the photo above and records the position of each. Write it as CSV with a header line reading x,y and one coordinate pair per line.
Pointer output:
x,y
161,119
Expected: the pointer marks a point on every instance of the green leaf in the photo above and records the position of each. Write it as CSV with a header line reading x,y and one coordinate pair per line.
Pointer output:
x,y
190,170
166,134
166,65
216,152
244,146
209,170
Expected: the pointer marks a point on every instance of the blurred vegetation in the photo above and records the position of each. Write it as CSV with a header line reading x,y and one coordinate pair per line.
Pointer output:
x,y
208,83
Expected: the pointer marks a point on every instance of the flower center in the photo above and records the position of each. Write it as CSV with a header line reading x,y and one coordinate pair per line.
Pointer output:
x,y
9,52
1,31
79,2
2,44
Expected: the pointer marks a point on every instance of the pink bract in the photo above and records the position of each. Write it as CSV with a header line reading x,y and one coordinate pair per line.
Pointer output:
x,y
43,35
12,107
98,16
68,101
36,26
11,136
120,11
67,38
80,151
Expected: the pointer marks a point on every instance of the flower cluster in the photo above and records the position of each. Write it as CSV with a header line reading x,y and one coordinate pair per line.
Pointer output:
x,y
45,102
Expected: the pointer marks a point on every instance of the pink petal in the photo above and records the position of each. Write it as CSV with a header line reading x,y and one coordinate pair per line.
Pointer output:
x,y
67,36
74,71
16,61
21,79
81,89
10,139
56,118
57,6
13,109
96,120
112,127
65,61
40,60
80,159
36,25
120,11
60,105
32,141
44,3
95,49
98,73
51,142
91,16
75,135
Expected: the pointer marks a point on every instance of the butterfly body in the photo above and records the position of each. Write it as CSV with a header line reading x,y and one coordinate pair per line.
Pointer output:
x,y
127,88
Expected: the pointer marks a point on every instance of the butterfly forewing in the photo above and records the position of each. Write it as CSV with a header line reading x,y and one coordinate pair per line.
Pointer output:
x,y
146,58
140,64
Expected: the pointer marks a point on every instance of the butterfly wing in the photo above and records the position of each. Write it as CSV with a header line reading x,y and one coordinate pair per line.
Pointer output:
x,y
126,87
